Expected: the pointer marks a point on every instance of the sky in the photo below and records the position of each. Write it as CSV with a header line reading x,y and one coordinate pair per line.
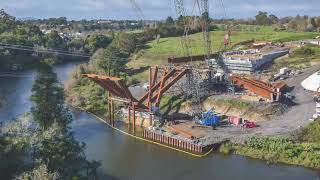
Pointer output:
x,y
153,9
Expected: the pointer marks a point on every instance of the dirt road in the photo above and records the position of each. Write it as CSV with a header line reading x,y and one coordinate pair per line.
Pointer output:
x,y
296,117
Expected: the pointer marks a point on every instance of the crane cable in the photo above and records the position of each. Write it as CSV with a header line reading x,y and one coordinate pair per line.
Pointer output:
x,y
137,9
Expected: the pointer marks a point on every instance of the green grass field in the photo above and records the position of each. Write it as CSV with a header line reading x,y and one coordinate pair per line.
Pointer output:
x,y
157,53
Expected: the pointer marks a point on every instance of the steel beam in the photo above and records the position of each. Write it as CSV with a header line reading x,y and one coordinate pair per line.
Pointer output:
x,y
169,84
154,88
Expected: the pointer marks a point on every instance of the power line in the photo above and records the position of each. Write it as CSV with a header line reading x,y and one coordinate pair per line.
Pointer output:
x,y
36,47
42,50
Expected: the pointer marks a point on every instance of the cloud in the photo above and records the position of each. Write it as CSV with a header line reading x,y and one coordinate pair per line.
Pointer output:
x,y
152,9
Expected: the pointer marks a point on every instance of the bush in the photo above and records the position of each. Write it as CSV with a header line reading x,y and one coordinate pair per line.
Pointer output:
x,y
311,133
304,51
226,148
281,150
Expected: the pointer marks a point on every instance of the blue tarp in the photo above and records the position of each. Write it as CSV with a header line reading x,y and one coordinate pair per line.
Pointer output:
x,y
209,118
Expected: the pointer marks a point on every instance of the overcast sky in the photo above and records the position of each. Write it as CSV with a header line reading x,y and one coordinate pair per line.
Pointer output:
x,y
153,9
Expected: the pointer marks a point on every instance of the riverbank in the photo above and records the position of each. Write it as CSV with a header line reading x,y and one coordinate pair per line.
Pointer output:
x,y
127,133
271,149
303,149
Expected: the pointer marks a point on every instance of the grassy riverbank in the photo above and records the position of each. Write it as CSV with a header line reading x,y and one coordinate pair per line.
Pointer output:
x,y
304,150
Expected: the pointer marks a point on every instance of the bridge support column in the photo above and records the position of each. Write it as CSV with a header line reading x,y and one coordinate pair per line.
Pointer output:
x,y
109,110
112,113
134,119
129,115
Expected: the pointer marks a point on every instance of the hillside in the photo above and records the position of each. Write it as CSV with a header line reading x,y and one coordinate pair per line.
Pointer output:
x,y
154,53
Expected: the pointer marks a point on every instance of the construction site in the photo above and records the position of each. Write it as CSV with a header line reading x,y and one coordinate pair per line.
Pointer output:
x,y
226,96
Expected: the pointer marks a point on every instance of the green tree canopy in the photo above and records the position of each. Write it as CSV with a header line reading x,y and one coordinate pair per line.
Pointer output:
x,y
7,22
94,42
262,18
114,62
53,40
169,20
48,99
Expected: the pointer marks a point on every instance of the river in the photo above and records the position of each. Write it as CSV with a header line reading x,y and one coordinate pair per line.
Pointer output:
x,y
123,157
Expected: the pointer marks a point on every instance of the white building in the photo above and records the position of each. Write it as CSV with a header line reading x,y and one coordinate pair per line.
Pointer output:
x,y
312,83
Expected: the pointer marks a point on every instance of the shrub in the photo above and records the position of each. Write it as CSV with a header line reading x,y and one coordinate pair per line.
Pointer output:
x,y
226,148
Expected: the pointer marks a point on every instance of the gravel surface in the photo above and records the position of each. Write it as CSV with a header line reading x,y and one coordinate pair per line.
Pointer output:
x,y
296,117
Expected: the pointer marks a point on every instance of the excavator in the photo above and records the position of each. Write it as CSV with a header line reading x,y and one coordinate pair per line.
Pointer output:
x,y
316,96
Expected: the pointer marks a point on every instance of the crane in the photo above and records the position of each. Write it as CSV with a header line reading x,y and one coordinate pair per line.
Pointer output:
x,y
204,14
185,40
137,9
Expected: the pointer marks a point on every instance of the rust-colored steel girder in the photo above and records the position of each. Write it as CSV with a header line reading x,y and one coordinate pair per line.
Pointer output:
x,y
164,88
115,86
168,77
118,87
165,77
167,80
263,89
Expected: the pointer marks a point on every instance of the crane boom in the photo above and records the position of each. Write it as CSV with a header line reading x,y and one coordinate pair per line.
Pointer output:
x,y
137,9
185,40
204,14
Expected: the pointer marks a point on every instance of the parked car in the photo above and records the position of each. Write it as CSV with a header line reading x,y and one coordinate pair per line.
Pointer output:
x,y
248,124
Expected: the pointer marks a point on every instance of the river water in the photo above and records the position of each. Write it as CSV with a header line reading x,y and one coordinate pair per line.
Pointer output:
x,y
123,157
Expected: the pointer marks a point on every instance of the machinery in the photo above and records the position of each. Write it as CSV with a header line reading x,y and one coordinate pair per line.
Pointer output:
x,y
209,118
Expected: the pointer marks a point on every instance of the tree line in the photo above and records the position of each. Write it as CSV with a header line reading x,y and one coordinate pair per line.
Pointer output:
x,y
288,23
27,34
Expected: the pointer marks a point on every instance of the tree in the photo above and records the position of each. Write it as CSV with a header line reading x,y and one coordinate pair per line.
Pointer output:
x,y
39,173
15,147
62,153
262,18
114,62
125,43
206,17
7,22
273,19
169,20
56,146
48,98
181,21
53,40
94,42
312,24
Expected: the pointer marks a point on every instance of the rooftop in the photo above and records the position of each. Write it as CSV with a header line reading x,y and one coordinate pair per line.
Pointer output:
x,y
252,54
312,83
